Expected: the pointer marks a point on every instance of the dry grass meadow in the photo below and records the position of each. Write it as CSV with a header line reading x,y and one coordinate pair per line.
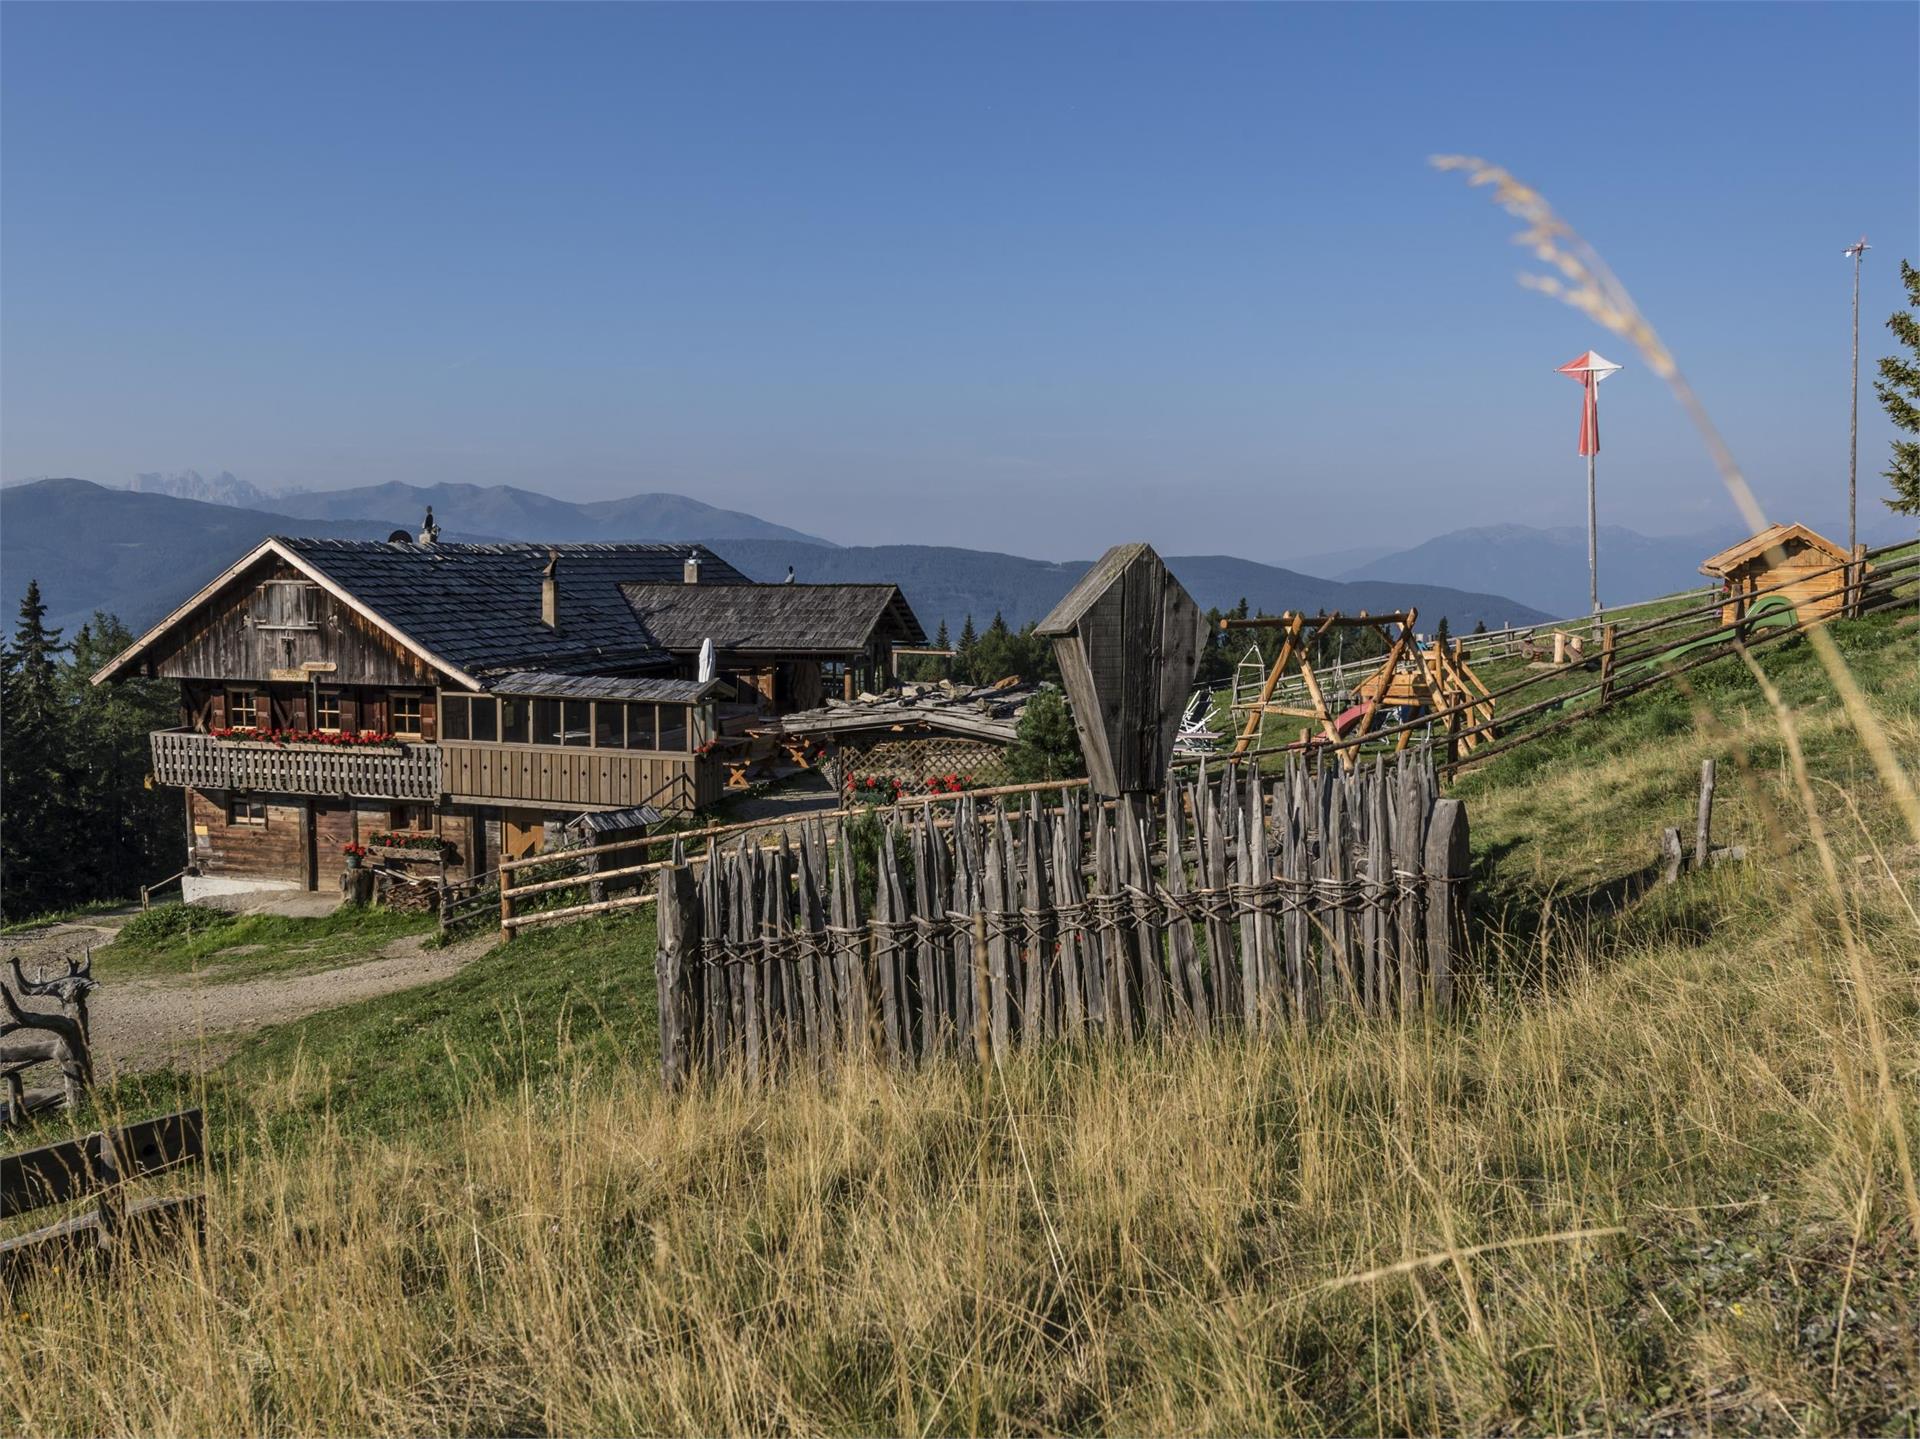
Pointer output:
x,y
1657,1178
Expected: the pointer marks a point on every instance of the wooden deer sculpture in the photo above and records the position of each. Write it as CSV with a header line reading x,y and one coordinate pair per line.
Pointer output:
x,y
29,1037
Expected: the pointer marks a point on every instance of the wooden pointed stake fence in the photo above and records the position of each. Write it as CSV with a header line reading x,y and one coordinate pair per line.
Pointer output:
x,y
1236,902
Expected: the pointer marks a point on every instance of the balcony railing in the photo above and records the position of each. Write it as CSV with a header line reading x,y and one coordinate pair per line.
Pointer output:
x,y
675,782
536,776
182,757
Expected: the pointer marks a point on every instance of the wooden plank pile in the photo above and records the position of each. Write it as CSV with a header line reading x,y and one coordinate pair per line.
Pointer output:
x,y
1237,902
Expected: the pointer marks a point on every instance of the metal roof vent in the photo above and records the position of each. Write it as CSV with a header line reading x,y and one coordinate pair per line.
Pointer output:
x,y
429,532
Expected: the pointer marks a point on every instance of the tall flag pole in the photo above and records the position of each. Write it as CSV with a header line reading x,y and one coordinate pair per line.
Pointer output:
x,y
1854,252
1590,369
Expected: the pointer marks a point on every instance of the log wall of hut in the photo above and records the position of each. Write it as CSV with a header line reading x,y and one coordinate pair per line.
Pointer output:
x,y
286,628
301,841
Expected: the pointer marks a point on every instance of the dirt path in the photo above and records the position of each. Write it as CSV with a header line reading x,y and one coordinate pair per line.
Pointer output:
x,y
193,1022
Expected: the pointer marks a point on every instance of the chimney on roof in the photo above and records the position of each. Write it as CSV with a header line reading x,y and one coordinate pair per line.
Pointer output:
x,y
550,591
690,570
429,532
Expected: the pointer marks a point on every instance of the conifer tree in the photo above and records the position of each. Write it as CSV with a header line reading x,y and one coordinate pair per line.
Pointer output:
x,y
1899,390
31,772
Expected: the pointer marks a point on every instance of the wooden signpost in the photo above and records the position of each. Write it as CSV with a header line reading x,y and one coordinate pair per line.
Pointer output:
x,y
1128,640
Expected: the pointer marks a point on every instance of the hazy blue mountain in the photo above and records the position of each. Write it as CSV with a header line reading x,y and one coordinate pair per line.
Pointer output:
x,y
137,555
950,584
1548,568
1337,562
225,488
507,513
134,555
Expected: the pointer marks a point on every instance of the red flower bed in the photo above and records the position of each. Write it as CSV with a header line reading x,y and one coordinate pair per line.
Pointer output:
x,y
407,839
874,789
333,739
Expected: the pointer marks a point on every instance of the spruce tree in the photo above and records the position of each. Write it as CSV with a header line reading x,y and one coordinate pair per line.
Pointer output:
x,y
131,831
1899,390
1047,746
32,772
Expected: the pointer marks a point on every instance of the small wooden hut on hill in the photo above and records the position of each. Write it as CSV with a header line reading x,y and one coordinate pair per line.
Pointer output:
x,y
1797,564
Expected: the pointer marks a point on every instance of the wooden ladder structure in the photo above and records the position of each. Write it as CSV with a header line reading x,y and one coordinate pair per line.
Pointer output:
x,y
1298,634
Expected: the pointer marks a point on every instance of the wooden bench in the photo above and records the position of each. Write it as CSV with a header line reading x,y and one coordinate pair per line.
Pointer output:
x,y
101,1165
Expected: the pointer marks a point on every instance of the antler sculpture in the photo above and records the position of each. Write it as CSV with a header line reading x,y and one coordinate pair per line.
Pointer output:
x,y
29,1036
71,989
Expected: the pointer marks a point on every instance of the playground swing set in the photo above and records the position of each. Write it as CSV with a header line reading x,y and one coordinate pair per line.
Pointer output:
x,y
1412,680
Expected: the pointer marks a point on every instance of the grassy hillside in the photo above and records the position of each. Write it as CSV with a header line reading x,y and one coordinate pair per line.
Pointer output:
x,y
1658,1175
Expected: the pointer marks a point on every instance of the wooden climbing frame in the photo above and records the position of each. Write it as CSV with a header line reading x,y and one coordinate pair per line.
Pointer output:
x,y
1298,633
1435,678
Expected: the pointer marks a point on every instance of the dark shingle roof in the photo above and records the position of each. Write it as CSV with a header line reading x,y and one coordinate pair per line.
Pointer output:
x,y
478,606
780,619
597,687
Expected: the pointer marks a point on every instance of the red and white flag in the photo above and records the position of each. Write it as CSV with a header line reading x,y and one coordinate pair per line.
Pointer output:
x,y
1590,369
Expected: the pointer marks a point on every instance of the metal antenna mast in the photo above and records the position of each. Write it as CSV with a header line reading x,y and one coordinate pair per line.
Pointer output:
x,y
1856,250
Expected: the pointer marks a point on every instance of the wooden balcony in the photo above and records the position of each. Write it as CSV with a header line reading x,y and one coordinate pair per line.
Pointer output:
x,y
534,776
577,778
409,772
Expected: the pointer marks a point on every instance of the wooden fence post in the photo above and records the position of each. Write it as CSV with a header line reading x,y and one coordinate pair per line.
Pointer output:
x,y
1447,861
1703,824
1673,854
506,904
1606,665
982,1047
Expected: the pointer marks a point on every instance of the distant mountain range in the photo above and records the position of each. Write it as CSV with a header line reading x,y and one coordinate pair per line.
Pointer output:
x,y
225,488
1547,568
136,554
950,584
503,512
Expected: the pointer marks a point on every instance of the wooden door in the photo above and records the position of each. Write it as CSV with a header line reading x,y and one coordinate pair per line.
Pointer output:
x,y
521,833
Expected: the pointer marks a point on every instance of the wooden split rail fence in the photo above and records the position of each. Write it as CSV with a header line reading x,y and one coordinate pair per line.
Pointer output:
x,y
1240,902
1630,659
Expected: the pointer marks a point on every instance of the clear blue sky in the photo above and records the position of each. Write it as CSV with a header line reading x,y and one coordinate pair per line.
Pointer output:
x,y
1032,279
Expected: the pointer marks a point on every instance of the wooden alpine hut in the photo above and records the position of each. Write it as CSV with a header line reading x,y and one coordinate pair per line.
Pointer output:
x,y
1789,563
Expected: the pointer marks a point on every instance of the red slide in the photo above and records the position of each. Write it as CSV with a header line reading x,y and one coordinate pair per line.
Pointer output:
x,y
1348,719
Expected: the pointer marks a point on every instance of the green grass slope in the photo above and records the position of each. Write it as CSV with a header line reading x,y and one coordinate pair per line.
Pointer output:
x,y
1655,1178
